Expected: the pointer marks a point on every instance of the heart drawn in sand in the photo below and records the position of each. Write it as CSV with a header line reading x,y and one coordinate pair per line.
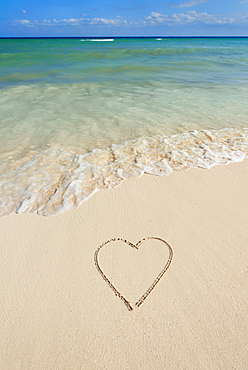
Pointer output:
x,y
136,246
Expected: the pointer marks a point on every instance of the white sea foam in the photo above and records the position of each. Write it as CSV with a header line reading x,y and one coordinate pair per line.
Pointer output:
x,y
50,180
98,40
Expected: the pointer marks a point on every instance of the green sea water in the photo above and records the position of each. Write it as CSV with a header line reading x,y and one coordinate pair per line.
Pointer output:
x,y
78,115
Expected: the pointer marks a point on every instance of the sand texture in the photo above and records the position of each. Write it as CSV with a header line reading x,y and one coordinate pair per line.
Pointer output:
x,y
57,311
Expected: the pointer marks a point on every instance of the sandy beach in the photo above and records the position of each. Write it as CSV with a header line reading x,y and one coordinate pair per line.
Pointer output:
x,y
57,312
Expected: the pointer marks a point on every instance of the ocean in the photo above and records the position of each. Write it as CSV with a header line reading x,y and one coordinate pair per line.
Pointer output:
x,y
83,114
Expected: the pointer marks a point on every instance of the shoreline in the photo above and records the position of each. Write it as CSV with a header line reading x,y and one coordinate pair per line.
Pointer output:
x,y
58,313
51,180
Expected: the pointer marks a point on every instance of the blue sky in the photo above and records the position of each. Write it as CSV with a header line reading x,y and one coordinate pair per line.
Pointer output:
x,y
123,17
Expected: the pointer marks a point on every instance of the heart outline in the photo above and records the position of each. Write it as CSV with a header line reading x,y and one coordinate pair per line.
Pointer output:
x,y
136,246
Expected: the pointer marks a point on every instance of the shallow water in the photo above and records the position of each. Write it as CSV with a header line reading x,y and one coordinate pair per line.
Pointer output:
x,y
79,115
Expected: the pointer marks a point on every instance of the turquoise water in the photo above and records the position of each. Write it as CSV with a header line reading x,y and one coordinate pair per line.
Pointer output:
x,y
78,115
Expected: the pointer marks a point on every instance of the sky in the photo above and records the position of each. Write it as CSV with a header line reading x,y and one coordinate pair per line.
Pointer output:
x,y
28,18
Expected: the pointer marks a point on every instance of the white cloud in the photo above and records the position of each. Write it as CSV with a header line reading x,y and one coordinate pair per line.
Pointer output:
x,y
190,3
243,2
24,11
21,22
114,22
195,17
155,18
71,22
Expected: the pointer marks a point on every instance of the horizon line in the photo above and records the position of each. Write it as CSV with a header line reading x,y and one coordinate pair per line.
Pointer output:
x,y
118,37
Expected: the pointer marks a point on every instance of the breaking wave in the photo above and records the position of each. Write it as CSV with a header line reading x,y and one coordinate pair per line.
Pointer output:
x,y
50,180
98,40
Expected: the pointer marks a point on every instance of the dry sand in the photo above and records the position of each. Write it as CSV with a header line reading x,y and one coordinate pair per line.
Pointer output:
x,y
57,312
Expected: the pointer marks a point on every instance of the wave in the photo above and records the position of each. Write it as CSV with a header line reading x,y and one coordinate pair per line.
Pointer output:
x,y
50,180
98,40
